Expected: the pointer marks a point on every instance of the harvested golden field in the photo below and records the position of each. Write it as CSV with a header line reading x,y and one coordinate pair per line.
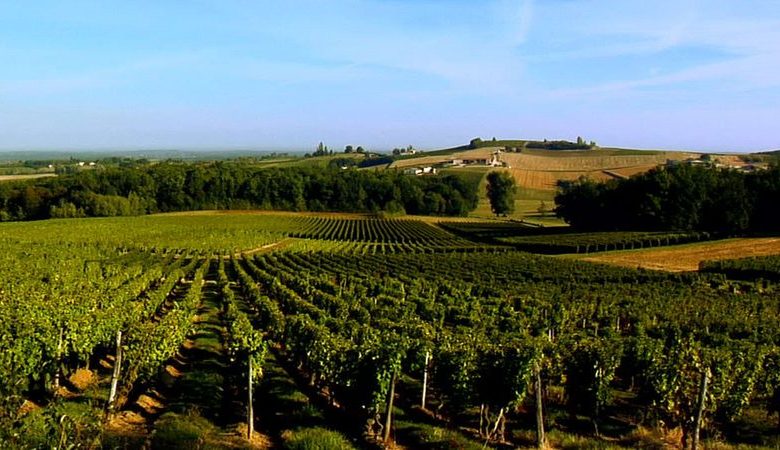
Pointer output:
x,y
684,258
587,162
26,177
631,171
543,171
547,180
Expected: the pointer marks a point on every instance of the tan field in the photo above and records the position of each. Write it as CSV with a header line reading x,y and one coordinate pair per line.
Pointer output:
x,y
26,177
542,169
548,180
685,258
630,171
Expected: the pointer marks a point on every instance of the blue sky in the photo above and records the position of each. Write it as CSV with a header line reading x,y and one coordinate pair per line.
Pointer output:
x,y
286,75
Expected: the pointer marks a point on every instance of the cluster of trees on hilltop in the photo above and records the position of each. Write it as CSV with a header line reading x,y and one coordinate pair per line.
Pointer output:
x,y
519,145
677,198
178,187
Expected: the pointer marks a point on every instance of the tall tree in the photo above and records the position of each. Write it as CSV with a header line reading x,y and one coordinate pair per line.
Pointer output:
x,y
501,191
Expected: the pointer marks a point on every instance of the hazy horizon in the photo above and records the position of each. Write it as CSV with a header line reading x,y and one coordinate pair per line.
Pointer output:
x,y
247,76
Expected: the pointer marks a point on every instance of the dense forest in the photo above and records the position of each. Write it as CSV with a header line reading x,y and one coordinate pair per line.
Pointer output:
x,y
681,198
177,187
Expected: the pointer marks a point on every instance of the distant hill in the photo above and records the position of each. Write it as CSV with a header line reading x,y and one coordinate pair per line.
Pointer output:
x,y
540,165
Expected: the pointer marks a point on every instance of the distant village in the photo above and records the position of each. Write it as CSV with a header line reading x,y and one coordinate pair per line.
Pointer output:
x,y
493,161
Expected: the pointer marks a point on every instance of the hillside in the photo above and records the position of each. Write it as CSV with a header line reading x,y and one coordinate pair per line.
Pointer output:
x,y
540,169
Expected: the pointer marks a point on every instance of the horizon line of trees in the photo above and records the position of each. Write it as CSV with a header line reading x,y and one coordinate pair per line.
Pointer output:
x,y
168,187
682,198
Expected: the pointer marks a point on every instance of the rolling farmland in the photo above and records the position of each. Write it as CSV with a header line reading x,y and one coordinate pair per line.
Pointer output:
x,y
542,169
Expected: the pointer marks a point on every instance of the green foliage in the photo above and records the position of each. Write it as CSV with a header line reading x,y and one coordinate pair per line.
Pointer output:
x,y
504,374
170,187
555,242
590,366
685,198
244,341
770,380
753,268
501,191
113,205
61,425
66,210
522,144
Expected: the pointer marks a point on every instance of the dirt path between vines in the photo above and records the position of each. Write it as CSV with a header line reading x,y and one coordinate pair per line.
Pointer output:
x,y
197,392
266,248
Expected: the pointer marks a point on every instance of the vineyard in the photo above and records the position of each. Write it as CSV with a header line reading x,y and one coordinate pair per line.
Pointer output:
x,y
762,267
689,257
230,233
560,240
600,242
184,335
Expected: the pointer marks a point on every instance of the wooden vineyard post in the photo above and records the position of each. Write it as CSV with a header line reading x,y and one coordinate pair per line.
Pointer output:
x,y
389,415
425,379
58,362
700,409
117,369
249,407
540,441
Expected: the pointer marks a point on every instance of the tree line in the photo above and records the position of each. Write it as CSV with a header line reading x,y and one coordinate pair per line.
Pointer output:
x,y
680,198
171,186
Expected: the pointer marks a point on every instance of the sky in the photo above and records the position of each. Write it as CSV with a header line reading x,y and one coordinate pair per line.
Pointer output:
x,y
285,75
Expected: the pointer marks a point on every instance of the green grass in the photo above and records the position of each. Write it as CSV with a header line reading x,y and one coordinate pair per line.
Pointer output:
x,y
527,202
431,437
291,418
473,176
315,438
183,431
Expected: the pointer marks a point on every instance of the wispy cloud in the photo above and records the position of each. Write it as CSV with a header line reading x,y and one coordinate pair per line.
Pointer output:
x,y
438,70
753,72
474,48
747,49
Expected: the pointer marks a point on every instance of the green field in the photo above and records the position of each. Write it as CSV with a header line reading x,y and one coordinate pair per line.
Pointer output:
x,y
336,311
527,206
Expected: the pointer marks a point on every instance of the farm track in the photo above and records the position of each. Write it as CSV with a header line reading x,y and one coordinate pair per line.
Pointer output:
x,y
266,248
202,359
205,382
146,403
199,380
